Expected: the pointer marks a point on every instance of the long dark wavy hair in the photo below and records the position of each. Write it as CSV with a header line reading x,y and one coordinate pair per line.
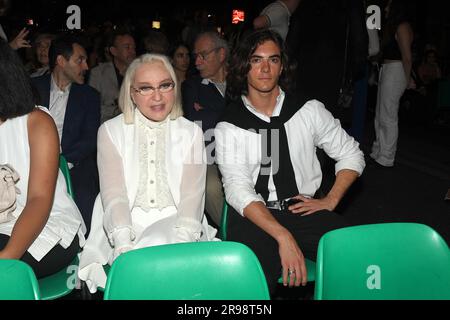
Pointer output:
x,y
240,63
16,94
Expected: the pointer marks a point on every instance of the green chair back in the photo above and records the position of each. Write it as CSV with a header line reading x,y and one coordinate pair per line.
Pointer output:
x,y
66,173
61,283
224,222
310,265
188,271
17,281
404,261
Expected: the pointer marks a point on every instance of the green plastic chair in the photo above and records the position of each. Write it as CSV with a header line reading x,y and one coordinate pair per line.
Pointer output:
x,y
310,265
188,271
62,283
66,173
402,261
17,281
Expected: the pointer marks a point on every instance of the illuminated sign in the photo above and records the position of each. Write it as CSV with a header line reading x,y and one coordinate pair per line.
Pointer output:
x,y
238,16
156,24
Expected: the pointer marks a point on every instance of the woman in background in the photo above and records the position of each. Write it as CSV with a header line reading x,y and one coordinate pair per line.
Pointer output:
x,y
395,77
180,61
41,46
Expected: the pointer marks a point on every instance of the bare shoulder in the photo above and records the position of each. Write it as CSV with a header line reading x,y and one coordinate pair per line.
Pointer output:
x,y
40,122
40,118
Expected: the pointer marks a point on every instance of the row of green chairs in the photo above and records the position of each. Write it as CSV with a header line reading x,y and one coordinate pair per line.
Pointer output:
x,y
371,262
378,261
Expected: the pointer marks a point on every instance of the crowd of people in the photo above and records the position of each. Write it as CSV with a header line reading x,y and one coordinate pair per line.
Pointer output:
x,y
158,133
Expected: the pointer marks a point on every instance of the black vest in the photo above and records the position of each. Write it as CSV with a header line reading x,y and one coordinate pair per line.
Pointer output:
x,y
273,132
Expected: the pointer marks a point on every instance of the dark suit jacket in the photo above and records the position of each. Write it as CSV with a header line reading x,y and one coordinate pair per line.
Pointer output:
x,y
79,140
208,97
81,121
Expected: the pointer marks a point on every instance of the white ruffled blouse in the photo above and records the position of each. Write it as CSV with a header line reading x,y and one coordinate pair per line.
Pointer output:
x,y
153,191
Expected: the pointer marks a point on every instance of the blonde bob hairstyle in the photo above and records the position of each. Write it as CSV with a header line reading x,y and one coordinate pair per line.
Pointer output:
x,y
127,105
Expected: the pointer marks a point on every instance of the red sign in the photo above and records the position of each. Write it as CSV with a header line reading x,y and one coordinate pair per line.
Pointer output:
x,y
238,16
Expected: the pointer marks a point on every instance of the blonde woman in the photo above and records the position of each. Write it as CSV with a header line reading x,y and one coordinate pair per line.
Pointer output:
x,y
152,171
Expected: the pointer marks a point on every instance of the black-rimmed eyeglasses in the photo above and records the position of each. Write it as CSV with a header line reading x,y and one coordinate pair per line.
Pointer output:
x,y
204,54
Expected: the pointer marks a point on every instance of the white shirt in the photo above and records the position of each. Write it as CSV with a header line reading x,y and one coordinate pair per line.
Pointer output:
x,y
58,105
279,17
262,116
238,153
221,87
3,34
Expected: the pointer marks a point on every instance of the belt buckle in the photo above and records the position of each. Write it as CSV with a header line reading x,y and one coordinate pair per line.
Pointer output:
x,y
275,205
283,205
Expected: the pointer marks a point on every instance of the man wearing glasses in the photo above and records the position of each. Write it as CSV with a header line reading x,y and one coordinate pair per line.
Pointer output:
x,y
204,103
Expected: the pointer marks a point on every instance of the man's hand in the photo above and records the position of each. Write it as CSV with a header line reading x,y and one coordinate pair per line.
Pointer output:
x,y
292,261
19,41
344,180
309,206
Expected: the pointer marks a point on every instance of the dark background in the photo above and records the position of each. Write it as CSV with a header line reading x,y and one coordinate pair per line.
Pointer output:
x,y
431,18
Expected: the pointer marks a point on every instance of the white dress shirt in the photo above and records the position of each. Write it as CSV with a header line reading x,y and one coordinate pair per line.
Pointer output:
x,y
58,105
239,156
262,116
220,86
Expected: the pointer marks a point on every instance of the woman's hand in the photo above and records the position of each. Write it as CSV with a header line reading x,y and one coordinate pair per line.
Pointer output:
x,y
309,206
20,41
118,251
292,261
